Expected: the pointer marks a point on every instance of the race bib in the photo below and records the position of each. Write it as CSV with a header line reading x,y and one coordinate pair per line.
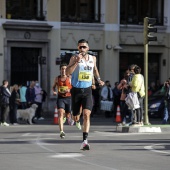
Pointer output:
x,y
62,89
85,76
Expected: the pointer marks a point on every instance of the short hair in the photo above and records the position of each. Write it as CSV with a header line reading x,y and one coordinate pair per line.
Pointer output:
x,y
4,82
132,66
137,70
63,64
107,81
116,83
82,41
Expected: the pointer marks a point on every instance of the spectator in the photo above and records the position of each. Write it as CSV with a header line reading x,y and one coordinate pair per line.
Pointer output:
x,y
124,87
131,74
30,94
166,90
4,103
137,85
23,100
107,95
38,100
14,102
116,97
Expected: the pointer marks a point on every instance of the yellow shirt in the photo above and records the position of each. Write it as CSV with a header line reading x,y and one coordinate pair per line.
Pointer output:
x,y
137,84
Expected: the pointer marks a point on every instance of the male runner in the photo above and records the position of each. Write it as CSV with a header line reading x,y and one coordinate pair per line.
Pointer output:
x,y
83,67
63,85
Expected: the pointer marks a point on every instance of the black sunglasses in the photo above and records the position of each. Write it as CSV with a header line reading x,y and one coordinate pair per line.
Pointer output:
x,y
82,47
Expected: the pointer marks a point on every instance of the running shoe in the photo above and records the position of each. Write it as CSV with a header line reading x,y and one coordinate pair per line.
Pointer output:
x,y
64,120
62,135
70,121
4,124
78,125
85,146
41,118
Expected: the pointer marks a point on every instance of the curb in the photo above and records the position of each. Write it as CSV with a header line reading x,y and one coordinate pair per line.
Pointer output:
x,y
139,129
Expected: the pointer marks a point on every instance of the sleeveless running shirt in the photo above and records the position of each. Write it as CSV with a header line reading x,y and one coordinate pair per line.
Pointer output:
x,y
82,75
62,86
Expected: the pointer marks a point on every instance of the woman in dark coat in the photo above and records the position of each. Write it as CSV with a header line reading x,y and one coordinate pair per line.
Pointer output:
x,y
14,102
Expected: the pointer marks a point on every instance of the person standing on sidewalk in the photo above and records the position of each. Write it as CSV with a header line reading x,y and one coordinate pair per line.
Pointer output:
x,y
38,101
22,92
137,85
4,102
83,67
107,95
14,102
63,85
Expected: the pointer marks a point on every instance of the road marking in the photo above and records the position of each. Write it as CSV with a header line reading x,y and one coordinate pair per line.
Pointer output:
x,y
74,156
67,155
120,134
156,150
26,134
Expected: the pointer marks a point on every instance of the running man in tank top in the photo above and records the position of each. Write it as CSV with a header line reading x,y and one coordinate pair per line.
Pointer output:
x,y
63,85
82,67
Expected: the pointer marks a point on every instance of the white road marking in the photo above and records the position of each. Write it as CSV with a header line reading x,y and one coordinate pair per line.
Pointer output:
x,y
26,134
156,150
40,144
120,133
74,156
67,155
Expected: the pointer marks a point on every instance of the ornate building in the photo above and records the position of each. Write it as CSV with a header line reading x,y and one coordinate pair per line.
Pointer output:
x,y
36,35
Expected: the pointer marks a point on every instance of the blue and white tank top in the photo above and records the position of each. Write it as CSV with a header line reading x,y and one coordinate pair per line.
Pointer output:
x,y
83,74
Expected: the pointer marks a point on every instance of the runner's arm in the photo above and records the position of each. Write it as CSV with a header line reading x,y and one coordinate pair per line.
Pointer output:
x,y
72,65
55,85
96,72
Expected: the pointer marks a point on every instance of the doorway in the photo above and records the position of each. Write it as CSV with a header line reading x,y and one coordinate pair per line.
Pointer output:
x,y
24,65
127,59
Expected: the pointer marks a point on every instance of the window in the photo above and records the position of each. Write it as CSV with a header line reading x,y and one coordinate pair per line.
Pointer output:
x,y
24,9
138,59
133,11
80,10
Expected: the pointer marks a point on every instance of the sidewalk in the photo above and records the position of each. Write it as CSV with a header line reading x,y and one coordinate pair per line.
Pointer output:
x,y
99,119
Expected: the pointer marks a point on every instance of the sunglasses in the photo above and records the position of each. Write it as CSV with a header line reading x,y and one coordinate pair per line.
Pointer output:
x,y
82,47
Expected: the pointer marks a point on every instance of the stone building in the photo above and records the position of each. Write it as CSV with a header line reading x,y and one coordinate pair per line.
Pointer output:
x,y
36,35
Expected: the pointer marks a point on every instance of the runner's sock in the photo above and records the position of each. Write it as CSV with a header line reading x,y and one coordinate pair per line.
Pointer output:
x,y
85,135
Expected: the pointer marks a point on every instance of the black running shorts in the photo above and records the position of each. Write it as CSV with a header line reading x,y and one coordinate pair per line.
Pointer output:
x,y
64,103
81,97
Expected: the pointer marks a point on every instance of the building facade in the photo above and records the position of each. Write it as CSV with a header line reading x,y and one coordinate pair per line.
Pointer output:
x,y
36,35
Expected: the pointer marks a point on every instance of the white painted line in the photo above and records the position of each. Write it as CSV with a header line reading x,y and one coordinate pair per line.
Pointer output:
x,y
26,134
120,134
67,155
74,156
155,150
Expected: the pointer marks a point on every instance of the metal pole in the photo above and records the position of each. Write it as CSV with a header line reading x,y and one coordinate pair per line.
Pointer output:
x,y
146,119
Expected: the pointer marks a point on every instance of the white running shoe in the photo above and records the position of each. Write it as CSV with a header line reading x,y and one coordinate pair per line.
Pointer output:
x,y
41,118
85,146
70,121
78,125
62,135
4,124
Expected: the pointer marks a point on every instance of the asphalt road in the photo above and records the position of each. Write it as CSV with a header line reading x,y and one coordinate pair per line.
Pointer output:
x,y
39,147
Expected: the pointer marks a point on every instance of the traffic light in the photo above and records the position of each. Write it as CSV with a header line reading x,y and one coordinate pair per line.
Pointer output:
x,y
149,29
